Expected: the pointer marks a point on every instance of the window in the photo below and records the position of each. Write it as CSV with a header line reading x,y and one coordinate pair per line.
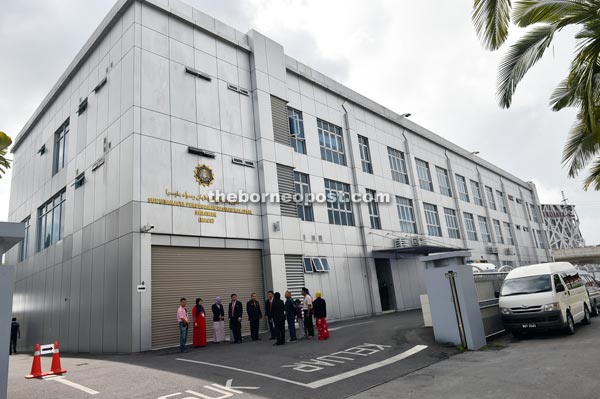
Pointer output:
x,y
339,207
365,154
308,267
498,231
485,231
424,175
432,220
509,236
477,199
534,213
572,279
444,181
470,227
541,239
398,165
463,191
501,201
302,189
24,244
452,223
331,142
51,220
406,214
490,197
296,124
317,265
61,139
374,210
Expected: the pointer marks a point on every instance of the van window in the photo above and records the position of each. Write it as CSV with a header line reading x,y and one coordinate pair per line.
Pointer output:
x,y
526,285
557,280
572,279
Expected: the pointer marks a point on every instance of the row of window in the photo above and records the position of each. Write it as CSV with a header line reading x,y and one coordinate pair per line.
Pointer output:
x,y
332,149
50,225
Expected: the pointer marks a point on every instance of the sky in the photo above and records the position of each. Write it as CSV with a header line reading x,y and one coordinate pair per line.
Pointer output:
x,y
421,57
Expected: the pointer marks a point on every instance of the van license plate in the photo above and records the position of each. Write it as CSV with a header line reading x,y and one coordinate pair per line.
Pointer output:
x,y
530,325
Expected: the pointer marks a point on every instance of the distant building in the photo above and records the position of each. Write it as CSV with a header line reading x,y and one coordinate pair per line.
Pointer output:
x,y
562,224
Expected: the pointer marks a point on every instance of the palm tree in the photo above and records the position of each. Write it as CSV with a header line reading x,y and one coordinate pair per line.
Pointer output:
x,y
581,87
5,142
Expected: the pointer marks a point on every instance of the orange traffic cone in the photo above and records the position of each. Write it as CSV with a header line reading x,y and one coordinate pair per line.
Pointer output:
x,y
36,367
56,368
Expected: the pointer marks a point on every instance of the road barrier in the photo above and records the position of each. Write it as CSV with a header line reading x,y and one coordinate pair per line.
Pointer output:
x,y
36,367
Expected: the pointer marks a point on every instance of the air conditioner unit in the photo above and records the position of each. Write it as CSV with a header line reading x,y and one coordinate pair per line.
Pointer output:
x,y
492,250
403,242
509,251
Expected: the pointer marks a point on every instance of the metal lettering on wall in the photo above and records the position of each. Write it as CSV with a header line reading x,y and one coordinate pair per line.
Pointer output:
x,y
206,213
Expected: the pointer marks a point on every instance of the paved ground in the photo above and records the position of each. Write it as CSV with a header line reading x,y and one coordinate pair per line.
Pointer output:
x,y
359,355
548,366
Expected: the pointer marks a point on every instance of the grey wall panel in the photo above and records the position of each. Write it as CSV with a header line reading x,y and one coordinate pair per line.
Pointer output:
x,y
85,302
74,304
136,304
111,281
67,247
47,308
55,306
36,326
65,290
112,226
124,312
78,209
98,231
97,305
86,239
125,216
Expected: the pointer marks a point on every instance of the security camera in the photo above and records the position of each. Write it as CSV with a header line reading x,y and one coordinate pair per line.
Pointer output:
x,y
146,228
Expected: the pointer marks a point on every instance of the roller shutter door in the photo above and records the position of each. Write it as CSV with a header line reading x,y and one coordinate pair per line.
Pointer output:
x,y
200,273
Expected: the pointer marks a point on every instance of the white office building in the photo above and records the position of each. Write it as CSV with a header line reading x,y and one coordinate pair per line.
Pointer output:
x,y
164,105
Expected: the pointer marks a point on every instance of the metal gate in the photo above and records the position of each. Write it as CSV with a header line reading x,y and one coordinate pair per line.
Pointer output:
x,y
487,284
200,273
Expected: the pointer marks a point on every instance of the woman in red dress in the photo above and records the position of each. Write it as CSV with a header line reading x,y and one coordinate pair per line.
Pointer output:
x,y
320,312
199,324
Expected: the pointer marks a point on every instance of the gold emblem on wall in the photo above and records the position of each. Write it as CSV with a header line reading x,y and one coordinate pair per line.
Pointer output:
x,y
204,175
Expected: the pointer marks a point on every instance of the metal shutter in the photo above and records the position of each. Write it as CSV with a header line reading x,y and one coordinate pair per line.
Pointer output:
x,y
281,129
285,182
205,273
294,274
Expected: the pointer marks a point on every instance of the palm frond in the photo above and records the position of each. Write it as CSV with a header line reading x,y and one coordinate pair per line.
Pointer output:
x,y
520,57
582,144
529,12
491,19
593,177
564,95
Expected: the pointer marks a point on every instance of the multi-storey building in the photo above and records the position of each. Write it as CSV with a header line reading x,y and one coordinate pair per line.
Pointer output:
x,y
163,105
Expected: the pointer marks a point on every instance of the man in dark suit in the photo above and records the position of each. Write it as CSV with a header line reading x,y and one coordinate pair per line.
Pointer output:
x,y
235,319
254,316
278,314
290,315
268,316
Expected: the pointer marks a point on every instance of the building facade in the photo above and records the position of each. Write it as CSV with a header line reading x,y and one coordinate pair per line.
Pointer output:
x,y
164,105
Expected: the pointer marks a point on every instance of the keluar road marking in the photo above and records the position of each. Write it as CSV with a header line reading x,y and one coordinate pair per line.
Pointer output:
x,y
226,391
325,381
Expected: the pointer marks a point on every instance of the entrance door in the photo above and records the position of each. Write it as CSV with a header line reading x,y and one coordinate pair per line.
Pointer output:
x,y
386,284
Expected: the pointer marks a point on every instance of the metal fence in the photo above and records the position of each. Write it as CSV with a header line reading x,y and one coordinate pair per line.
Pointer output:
x,y
487,284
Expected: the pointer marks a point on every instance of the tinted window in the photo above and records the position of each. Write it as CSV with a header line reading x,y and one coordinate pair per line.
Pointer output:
x,y
526,285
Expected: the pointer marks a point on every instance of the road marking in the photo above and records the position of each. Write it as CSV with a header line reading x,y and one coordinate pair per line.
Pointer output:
x,y
324,381
226,390
72,384
350,325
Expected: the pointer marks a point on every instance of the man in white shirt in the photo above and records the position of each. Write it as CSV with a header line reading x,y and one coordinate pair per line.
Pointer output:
x,y
307,310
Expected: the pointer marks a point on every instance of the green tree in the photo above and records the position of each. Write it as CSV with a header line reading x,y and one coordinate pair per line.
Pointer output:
x,y
581,87
5,142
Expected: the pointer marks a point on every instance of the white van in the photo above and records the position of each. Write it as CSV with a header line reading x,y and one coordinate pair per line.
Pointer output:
x,y
547,296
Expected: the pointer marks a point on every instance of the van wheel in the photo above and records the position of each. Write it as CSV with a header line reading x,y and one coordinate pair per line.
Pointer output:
x,y
587,319
595,309
570,330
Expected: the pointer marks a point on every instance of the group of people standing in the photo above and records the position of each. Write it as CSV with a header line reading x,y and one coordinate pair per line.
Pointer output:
x,y
277,312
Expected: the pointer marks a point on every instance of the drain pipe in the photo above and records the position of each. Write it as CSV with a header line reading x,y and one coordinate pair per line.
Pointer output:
x,y
363,235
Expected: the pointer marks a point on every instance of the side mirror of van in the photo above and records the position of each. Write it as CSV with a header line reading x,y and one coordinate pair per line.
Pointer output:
x,y
496,294
560,288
